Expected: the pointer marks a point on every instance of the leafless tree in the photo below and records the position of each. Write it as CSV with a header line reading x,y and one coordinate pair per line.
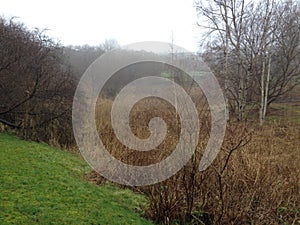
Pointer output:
x,y
224,20
254,48
110,44
36,87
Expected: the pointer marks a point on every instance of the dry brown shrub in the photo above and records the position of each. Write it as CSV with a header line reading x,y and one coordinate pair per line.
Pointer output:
x,y
250,182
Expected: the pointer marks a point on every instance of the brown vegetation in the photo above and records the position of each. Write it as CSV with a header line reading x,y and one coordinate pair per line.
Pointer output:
x,y
254,180
36,88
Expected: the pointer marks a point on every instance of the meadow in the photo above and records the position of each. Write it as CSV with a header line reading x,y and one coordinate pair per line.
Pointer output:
x,y
40,184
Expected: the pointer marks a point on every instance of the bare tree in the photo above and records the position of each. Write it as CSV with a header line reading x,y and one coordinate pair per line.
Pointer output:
x,y
253,48
270,25
285,67
225,22
110,44
36,87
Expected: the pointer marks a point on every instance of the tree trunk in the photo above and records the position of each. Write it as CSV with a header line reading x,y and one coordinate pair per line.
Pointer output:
x,y
262,93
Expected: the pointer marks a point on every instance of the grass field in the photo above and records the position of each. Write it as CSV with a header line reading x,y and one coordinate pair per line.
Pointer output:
x,y
44,185
289,112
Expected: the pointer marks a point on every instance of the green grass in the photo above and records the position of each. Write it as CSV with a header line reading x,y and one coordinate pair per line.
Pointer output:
x,y
44,185
284,112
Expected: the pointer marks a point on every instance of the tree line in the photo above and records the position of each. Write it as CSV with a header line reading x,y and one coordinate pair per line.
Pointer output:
x,y
38,80
253,47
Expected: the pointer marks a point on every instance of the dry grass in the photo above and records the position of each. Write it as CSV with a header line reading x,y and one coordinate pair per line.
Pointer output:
x,y
248,183
263,178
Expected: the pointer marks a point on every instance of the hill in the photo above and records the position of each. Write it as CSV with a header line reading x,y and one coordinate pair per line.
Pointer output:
x,y
43,185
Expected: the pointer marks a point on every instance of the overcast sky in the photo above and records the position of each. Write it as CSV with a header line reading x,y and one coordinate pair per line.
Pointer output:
x,y
93,21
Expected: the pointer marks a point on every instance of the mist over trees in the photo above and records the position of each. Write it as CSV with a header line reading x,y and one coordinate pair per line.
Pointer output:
x,y
38,81
254,48
80,57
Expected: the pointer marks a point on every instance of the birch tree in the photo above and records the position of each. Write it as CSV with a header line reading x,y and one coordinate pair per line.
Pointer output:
x,y
224,20
253,47
270,27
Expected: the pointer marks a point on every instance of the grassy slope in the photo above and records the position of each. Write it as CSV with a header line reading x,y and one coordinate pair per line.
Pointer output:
x,y
40,184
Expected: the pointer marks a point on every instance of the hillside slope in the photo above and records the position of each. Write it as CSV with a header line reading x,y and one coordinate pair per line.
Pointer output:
x,y
44,185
